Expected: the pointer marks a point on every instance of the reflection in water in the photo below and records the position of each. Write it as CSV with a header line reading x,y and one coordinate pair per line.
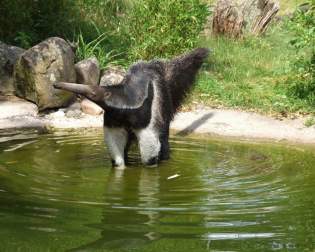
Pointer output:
x,y
149,189
129,225
226,197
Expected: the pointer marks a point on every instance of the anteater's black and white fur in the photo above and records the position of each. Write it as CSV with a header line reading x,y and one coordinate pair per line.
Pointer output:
x,y
144,104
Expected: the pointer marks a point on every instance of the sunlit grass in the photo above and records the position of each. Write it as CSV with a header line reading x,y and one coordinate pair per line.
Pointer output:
x,y
250,74
288,6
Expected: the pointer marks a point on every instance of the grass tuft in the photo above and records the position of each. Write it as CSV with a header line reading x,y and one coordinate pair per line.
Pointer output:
x,y
94,48
309,122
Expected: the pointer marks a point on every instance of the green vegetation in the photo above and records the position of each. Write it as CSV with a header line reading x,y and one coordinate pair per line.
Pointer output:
x,y
302,83
252,74
270,74
309,122
26,22
127,30
162,28
93,49
287,6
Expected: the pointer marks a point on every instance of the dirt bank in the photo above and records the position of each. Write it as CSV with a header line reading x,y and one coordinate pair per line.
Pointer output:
x,y
229,123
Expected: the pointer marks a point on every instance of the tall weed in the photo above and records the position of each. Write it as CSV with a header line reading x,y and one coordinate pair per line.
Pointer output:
x,y
94,48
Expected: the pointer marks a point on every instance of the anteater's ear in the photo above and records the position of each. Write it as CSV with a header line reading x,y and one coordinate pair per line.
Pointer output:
x,y
131,93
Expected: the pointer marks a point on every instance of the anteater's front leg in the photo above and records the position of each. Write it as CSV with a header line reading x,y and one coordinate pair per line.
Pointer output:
x,y
116,140
165,148
149,144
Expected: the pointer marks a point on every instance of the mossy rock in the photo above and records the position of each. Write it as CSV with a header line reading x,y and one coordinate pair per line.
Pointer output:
x,y
8,57
40,67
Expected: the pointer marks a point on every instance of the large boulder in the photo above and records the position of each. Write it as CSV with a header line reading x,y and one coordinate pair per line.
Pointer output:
x,y
8,57
88,71
40,67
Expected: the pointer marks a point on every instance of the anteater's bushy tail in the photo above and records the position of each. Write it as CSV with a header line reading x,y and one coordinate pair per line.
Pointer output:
x,y
181,73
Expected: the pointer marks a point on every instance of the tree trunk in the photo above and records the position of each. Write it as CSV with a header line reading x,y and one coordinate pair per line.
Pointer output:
x,y
235,18
227,19
268,10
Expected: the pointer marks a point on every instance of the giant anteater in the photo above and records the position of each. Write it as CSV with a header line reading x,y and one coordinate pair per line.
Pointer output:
x,y
143,104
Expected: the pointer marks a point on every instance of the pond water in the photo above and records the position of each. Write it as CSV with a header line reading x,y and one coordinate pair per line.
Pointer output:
x,y
58,192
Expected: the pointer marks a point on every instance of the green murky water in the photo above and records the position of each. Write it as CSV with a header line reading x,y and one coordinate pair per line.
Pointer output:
x,y
59,193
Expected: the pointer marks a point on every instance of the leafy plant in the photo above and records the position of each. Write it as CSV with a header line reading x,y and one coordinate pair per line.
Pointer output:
x,y
23,39
94,48
26,22
162,28
132,29
302,81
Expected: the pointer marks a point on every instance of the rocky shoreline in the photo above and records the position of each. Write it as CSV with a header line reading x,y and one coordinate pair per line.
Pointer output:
x,y
18,113
215,122
27,96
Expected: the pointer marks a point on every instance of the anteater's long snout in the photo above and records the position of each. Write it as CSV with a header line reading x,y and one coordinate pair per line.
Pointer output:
x,y
75,88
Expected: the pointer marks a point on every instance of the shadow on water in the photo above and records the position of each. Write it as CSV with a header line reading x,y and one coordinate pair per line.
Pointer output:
x,y
59,190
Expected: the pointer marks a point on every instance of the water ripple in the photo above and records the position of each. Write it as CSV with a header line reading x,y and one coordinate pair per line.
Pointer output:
x,y
63,184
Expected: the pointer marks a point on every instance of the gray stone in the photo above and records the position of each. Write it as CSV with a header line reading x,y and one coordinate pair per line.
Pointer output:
x,y
58,114
40,67
88,71
17,108
74,106
112,76
76,113
8,57
90,108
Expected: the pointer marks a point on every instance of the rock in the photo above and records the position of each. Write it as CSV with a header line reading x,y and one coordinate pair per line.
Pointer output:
x,y
17,108
24,122
90,108
88,71
74,106
112,76
42,65
57,114
74,113
8,56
